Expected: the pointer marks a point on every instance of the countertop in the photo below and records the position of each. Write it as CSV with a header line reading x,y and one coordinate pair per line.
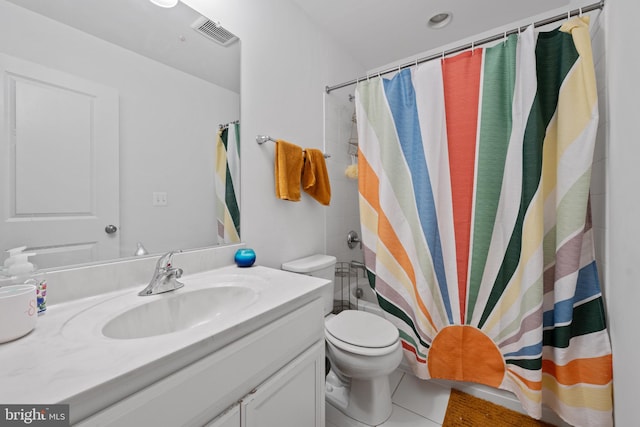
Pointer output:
x,y
66,359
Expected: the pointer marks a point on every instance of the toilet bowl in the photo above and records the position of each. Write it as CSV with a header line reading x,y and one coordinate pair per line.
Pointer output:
x,y
363,350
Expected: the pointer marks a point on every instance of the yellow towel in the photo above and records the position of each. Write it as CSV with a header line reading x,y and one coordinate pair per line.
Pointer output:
x,y
288,169
315,179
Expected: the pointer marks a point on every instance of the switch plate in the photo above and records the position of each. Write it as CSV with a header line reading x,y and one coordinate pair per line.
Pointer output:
x,y
159,198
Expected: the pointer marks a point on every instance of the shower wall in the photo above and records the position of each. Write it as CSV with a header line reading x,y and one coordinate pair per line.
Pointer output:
x,y
600,156
342,215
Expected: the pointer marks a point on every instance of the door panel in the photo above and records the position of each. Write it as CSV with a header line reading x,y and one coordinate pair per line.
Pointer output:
x,y
53,146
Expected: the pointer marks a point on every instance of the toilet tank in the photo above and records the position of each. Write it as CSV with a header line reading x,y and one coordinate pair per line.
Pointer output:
x,y
323,266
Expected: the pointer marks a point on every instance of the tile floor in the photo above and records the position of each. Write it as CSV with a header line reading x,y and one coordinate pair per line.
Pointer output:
x,y
410,408
419,403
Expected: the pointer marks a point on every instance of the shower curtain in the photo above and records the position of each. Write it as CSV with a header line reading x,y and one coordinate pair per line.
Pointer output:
x,y
474,178
228,183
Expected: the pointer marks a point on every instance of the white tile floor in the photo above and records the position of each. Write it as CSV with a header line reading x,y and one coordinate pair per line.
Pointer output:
x,y
410,408
420,403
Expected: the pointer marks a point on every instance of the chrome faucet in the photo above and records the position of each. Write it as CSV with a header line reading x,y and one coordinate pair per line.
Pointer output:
x,y
164,277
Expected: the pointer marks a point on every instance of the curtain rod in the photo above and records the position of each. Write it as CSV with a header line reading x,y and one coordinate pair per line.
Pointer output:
x,y
589,8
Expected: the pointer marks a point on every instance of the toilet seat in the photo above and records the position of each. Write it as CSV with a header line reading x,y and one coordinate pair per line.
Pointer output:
x,y
362,333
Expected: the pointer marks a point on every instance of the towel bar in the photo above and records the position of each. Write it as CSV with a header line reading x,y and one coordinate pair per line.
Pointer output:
x,y
261,139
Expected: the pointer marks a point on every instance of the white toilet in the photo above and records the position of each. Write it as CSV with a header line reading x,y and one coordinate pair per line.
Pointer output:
x,y
363,349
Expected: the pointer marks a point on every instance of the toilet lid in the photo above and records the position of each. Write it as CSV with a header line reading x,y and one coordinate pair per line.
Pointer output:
x,y
362,329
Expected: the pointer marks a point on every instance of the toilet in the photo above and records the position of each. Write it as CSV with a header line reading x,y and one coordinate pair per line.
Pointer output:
x,y
363,350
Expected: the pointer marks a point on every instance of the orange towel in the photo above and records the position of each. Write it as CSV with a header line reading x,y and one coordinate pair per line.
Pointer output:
x,y
288,169
315,179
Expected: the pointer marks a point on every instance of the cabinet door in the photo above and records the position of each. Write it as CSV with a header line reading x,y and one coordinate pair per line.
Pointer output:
x,y
293,397
231,418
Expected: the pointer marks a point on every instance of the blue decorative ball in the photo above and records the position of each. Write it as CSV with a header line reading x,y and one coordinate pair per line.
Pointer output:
x,y
245,257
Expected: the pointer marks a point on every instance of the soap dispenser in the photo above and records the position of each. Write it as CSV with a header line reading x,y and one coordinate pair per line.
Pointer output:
x,y
21,271
19,264
12,256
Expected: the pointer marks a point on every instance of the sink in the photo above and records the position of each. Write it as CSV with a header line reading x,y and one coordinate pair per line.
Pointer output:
x,y
179,311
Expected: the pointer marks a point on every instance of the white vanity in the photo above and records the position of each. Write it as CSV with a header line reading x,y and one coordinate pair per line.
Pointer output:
x,y
256,357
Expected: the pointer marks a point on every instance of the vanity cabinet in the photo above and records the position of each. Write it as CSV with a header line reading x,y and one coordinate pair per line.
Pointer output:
x,y
292,397
271,377
230,418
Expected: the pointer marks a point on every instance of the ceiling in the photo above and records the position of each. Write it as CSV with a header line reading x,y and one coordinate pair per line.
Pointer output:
x,y
164,35
378,33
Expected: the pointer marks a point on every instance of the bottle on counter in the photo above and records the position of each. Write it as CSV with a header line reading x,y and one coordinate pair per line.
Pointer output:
x,y
20,270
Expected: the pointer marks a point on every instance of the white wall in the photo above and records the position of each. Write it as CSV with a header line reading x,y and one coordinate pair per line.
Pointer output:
x,y
168,123
623,205
286,63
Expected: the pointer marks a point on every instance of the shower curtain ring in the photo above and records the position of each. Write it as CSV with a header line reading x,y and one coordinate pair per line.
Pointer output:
x,y
580,12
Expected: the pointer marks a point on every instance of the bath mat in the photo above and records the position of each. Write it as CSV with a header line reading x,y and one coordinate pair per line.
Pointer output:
x,y
465,410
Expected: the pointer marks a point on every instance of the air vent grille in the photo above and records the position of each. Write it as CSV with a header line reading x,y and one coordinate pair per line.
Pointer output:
x,y
214,31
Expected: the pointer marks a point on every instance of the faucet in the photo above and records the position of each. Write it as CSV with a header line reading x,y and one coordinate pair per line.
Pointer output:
x,y
164,277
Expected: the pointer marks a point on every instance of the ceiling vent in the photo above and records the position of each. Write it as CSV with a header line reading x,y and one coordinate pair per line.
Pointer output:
x,y
214,31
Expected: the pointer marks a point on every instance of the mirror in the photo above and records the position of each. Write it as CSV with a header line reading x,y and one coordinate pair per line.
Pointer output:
x,y
127,75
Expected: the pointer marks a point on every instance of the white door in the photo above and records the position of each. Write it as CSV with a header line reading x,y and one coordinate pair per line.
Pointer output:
x,y
293,397
59,172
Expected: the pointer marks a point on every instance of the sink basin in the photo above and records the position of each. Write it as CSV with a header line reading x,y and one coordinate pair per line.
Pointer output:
x,y
179,311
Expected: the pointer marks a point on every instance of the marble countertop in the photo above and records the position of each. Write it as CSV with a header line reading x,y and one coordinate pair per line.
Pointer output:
x,y
66,359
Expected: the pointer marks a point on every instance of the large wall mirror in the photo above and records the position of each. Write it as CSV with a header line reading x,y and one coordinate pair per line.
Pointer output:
x,y
110,122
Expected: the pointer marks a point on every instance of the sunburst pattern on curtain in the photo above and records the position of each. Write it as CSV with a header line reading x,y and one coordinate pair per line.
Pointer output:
x,y
228,183
474,179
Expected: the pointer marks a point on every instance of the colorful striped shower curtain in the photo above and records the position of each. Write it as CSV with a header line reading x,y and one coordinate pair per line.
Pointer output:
x,y
474,178
228,183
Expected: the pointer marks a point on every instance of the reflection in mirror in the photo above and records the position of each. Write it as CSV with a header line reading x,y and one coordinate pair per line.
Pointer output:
x,y
118,119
